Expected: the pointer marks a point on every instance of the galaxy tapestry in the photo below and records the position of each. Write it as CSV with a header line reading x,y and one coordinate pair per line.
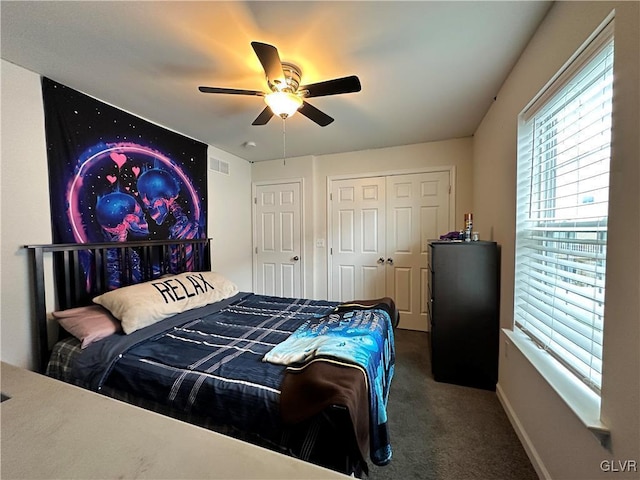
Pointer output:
x,y
114,177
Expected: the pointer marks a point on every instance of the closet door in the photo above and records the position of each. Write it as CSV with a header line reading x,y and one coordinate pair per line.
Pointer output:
x,y
417,210
379,236
357,238
278,240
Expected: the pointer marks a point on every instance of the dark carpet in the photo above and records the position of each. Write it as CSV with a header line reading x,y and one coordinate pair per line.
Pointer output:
x,y
443,431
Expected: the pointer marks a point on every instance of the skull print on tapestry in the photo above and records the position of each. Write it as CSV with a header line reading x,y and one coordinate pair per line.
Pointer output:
x,y
114,177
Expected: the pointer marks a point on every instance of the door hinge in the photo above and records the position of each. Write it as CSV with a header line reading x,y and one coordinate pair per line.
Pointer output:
x,y
331,251
331,197
449,189
255,199
256,250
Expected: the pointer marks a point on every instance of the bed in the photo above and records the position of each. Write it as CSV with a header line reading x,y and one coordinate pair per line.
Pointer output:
x,y
148,323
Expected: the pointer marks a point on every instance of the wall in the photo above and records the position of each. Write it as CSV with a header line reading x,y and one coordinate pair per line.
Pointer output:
x,y
229,219
25,214
561,447
316,170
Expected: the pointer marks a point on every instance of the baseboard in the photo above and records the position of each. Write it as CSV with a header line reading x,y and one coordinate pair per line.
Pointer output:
x,y
529,448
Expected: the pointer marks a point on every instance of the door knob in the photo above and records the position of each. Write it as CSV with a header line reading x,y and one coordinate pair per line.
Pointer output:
x,y
381,260
296,258
390,261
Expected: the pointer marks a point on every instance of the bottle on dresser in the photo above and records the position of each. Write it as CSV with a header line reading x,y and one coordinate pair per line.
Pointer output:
x,y
468,226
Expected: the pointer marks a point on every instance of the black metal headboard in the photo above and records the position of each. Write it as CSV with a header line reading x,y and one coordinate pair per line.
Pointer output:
x,y
82,271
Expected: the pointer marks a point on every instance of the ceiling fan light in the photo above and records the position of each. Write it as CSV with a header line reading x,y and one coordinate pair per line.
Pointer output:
x,y
283,104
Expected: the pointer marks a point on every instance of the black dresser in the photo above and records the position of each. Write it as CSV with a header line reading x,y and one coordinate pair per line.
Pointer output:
x,y
463,312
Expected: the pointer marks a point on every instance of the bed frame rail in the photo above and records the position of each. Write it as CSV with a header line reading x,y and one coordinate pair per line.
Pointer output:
x,y
83,271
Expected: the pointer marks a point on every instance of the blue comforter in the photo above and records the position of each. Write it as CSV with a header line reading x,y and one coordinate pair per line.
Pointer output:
x,y
361,337
207,361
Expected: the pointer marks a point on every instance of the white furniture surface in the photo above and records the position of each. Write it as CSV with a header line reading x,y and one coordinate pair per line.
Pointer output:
x,y
51,429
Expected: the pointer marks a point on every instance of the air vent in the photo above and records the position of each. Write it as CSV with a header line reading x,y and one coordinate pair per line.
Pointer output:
x,y
219,166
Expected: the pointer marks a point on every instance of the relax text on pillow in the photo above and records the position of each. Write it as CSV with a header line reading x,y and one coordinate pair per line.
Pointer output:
x,y
195,284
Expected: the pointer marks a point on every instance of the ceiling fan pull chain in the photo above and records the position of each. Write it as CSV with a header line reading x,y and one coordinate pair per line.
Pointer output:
x,y
284,142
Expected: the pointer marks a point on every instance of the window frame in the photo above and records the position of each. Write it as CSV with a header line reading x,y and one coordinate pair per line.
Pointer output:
x,y
571,72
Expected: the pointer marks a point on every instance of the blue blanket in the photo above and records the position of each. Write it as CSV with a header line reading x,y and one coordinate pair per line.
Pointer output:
x,y
208,361
361,337
205,362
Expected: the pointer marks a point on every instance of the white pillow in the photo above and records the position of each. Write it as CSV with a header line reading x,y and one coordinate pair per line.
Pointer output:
x,y
144,304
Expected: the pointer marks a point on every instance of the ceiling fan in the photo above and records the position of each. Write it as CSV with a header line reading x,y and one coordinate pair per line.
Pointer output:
x,y
287,95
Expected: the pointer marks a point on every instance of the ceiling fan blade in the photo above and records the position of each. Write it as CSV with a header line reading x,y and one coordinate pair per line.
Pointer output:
x,y
264,117
312,113
333,87
231,91
270,60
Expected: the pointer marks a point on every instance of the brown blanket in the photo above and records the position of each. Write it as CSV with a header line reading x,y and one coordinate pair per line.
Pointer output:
x,y
308,390
384,303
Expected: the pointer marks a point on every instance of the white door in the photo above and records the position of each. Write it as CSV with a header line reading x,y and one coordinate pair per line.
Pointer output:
x,y
380,228
278,240
417,211
357,244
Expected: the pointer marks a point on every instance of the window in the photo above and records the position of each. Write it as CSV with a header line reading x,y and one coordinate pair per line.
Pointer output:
x,y
564,140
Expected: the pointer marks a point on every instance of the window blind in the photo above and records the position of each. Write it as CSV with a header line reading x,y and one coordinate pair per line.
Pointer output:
x,y
562,208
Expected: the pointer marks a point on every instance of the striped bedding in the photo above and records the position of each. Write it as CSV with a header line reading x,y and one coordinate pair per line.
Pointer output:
x,y
205,363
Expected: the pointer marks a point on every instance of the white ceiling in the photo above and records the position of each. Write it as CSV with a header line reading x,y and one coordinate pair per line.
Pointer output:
x,y
429,70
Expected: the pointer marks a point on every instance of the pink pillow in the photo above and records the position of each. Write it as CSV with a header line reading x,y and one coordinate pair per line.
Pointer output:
x,y
88,324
